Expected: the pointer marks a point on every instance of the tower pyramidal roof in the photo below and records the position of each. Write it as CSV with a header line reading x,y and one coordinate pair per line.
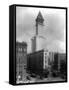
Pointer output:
x,y
39,18
40,15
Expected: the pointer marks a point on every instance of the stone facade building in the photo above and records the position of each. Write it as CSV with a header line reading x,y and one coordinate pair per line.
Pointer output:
x,y
21,61
38,62
38,40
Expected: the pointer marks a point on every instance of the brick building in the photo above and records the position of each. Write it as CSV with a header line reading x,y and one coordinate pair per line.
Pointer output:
x,y
58,63
38,62
21,61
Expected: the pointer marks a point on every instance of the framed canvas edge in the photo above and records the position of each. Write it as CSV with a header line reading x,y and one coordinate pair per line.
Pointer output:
x,y
40,6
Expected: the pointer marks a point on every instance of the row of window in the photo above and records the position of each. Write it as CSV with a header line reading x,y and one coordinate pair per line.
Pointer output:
x,y
21,49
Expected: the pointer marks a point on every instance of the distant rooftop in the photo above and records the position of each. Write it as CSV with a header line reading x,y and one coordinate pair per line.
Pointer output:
x,y
21,43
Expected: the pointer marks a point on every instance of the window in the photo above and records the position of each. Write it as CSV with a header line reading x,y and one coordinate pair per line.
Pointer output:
x,y
20,49
45,58
25,66
24,49
45,61
45,53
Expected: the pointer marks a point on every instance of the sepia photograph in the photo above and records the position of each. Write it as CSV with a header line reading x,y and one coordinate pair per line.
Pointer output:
x,y
40,45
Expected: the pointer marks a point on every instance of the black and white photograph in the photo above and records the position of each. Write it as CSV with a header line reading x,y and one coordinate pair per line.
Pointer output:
x,y
40,45
34,42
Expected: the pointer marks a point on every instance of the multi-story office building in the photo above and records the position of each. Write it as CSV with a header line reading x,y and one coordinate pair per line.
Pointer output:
x,y
38,41
38,62
21,61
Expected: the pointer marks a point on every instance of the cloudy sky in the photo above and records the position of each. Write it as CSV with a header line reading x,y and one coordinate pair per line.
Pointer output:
x,y
54,27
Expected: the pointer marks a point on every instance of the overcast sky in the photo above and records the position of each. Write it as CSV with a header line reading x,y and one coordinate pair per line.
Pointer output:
x,y
54,27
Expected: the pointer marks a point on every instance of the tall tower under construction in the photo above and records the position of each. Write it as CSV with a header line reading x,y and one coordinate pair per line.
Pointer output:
x,y
38,41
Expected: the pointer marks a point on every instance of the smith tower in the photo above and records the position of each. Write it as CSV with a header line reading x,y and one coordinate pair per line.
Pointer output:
x,y
38,40
39,22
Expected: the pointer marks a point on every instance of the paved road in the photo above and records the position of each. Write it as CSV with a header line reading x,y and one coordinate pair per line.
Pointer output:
x,y
49,79
37,79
